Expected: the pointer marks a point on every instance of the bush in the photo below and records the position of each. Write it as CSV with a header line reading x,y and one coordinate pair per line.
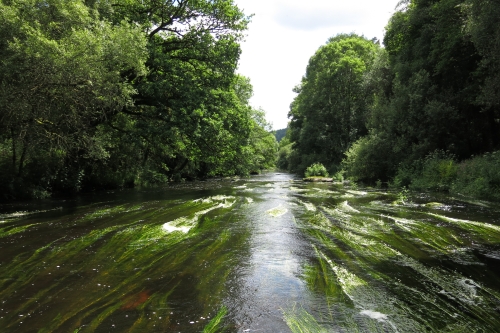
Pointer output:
x,y
439,171
479,177
368,159
317,169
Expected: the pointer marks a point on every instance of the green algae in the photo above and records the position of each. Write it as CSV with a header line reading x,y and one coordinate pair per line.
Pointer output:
x,y
104,255
479,227
215,324
436,300
372,267
9,231
302,322
277,211
434,205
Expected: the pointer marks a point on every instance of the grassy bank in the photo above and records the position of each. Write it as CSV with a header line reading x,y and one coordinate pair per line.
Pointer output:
x,y
477,177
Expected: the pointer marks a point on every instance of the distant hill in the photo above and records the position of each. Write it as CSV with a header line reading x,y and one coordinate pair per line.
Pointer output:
x,y
280,134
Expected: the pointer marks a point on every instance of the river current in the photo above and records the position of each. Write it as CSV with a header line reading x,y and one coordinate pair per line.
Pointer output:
x,y
264,254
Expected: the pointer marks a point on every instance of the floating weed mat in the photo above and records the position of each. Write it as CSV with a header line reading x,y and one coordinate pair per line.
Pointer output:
x,y
380,268
123,269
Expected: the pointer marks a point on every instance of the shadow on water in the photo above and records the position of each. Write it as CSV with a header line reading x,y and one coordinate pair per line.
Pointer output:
x,y
264,254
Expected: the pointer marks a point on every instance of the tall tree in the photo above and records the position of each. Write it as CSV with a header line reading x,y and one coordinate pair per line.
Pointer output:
x,y
109,93
329,111
61,76
438,87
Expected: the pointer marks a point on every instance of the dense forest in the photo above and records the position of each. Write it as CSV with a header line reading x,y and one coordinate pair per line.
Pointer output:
x,y
280,134
107,94
423,111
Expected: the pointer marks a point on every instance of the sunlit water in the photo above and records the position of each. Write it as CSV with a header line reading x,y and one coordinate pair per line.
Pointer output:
x,y
264,254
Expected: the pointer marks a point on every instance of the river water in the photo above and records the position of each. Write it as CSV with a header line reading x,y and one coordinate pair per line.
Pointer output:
x,y
264,254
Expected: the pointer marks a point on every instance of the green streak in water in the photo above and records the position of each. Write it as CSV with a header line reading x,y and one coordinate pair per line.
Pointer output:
x,y
215,324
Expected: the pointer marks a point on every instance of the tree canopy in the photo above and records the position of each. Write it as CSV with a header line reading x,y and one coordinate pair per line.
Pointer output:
x,y
329,111
432,92
102,94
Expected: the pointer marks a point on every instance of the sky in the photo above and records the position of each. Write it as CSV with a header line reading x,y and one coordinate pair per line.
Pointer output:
x,y
284,34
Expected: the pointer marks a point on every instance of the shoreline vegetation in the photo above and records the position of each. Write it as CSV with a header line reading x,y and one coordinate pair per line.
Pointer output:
x,y
100,96
419,111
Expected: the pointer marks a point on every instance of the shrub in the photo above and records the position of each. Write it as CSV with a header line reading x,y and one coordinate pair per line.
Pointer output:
x,y
317,169
479,177
439,171
368,159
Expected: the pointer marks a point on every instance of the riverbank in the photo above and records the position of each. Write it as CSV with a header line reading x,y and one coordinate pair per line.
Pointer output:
x,y
478,177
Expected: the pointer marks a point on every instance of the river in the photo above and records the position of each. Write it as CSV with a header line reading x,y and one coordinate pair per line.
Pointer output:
x,y
264,254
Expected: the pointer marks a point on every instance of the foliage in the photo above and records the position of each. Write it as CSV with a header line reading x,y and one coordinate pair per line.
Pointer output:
x,y
479,177
100,95
284,153
280,134
476,177
438,172
434,88
61,77
285,149
402,196
317,169
482,27
368,159
329,112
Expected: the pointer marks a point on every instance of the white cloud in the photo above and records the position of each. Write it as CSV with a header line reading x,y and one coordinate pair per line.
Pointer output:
x,y
316,14
283,36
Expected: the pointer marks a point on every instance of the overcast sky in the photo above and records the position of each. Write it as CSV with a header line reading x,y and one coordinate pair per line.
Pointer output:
x,y
284,34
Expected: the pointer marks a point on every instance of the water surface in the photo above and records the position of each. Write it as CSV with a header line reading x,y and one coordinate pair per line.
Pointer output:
x,y
264,254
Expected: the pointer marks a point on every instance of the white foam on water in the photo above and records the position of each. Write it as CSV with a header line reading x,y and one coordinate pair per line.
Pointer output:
x,y
348,281
357,192
344,206
401,222
309,206
493,255
374,315
184,224
222,197
465,222
203,200
169,227
296,189
249,200
277,211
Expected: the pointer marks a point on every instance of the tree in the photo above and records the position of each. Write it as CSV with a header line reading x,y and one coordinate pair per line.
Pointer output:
x,y
329,111
484,31
103,94
61,76
437,88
